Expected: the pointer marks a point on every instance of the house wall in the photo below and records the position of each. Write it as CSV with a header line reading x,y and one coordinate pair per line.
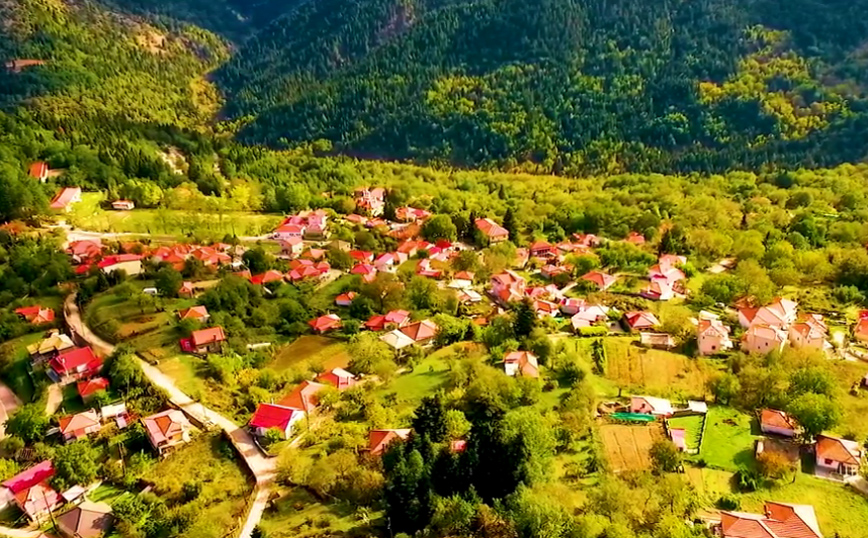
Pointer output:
x,y
709,345
834,466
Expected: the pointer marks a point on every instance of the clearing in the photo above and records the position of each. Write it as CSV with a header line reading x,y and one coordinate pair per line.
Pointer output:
x,y
655,371
692,426
729,439
627,447
311,350
209,462
298,514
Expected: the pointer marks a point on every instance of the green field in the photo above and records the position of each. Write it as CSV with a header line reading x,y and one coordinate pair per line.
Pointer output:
x,y
88,215
693,428
210,461
298,514
311,350
13,365
729,439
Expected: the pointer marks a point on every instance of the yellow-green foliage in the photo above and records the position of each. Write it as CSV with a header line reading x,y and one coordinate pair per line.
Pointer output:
x,y
777,79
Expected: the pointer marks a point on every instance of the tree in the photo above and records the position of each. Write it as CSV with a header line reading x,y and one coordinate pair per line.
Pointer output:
x,y
367,351
386,292
439,227
168,281
525,318
815,413
422,293
430,419
29,423
74,464
257,260
665,456
774,465
725,387
8,469
510,225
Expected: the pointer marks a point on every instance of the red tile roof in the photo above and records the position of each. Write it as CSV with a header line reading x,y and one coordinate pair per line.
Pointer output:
x,y
64,197
421,330
38,170
36,315
325,323
194,312
379,440
208,336
92,386
74,359
272,416
303,397
30,477
777,419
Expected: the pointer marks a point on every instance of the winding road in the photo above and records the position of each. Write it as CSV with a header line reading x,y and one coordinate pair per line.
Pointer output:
x,y
262,468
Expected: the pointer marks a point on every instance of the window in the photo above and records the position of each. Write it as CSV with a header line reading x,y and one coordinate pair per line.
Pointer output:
x,y
828,461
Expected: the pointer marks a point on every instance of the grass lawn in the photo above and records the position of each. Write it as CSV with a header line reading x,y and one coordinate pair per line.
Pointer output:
x,y
72,402
729,439
13,365
298,514
310,349
854,409
149,329
88,215
657,372
191,376
211,462
106,493
324,298
692,426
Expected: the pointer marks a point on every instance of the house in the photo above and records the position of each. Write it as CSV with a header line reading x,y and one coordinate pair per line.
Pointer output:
x,y
780,520
661,290
396,318
551,271
809,331
679,438
303,271
671,260
635,238
589,315
87,389
424,268
131,264
379,440
84,250
186,290
838,456
657,340
371,201
507,287
167,430
196,313
362,256
461,280
292,247
337,377
267,277
123,205
17,66
397,340
587,240
542,249
763,339
468,296
545,308
78,426
64,199
773,421
860,330
651,406
411,214
492,231
39,170
303,396
270,416
74,364
31,493
780,313
36,315
87,520
49,348
712,337
325,323
389,261
345,299
523,363
421,332
204,341
641,321
602,280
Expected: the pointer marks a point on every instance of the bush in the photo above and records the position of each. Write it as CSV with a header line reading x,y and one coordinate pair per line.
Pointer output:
x,y
728,502
593,331
747,480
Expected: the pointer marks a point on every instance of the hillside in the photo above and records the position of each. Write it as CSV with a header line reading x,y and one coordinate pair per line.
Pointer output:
x,y
568,86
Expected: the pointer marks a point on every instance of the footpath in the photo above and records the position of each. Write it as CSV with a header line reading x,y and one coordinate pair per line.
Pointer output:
x,y
261,467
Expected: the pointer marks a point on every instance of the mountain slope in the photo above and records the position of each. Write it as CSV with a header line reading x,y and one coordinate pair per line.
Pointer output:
x,y
559,85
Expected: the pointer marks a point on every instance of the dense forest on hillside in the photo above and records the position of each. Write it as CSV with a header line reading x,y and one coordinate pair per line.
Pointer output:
x,y
564,86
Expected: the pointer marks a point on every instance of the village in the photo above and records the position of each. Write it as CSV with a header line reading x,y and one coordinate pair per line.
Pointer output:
x,y
420,297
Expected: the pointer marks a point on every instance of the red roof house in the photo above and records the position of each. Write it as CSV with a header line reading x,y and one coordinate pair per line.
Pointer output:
x,y
379,440
541,249
266,277
167,430
641,321
777,422
36,315
86,389
197,313
345,299
269,416
492,230
781,520
325,323
39,170
204,341
602,280
522,363
303,396
421,331
838,456
75,427
186,290
338,377
78,363
32,493
64,199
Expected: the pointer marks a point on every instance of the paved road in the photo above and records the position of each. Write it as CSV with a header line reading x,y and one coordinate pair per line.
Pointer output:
x,y
19,533
9,403
55,399
84,235
262,468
